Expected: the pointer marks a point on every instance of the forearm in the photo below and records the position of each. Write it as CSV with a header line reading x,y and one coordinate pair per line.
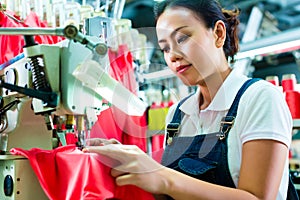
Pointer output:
x,y
182,187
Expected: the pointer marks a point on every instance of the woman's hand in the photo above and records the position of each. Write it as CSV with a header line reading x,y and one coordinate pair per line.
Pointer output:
x,y
135,166
101,142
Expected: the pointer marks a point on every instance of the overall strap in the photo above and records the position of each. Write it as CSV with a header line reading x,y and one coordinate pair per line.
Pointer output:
x,y
173,126
226,123
178,115
228,120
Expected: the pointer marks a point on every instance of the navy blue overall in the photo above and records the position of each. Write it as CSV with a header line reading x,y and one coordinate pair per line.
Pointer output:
x,y
205,156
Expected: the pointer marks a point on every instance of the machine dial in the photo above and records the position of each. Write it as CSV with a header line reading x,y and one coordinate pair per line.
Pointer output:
x,y
8,185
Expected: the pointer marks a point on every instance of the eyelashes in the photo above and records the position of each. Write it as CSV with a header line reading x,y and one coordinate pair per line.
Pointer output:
x,y
165,50
180,40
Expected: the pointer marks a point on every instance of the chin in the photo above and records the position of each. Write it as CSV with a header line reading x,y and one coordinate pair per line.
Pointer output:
x,y
188,82
191,81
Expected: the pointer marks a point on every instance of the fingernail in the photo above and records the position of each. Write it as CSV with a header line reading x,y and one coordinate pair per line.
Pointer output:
x,y
85,150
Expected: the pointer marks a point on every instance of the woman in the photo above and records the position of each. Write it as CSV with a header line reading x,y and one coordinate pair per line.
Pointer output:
x,y
251,160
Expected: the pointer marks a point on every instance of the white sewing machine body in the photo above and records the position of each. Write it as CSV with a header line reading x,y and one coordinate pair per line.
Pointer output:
x,y
26,126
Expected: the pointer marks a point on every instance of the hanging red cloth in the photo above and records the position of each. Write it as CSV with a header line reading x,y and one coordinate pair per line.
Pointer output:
x,y
106,126
11,45
33,20
121,67
113,123
68,173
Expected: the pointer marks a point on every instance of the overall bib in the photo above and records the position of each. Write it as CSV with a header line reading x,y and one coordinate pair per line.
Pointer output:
x,y
205,156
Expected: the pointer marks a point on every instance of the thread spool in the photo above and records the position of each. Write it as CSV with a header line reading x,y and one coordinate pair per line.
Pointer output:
x,y
70,122
288,82
293,101
273,79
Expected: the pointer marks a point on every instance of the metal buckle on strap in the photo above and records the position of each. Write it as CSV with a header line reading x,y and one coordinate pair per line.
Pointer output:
x,y
172,131
226,124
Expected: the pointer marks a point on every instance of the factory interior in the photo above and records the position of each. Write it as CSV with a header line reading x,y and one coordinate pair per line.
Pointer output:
x,y
74,70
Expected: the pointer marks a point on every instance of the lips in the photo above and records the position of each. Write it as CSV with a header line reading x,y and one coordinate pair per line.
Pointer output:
x,y
182,68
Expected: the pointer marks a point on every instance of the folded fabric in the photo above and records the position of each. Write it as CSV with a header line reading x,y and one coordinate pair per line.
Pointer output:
x,y
66,173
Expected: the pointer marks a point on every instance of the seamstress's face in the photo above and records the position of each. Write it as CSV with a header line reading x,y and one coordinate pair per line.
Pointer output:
x,y
188,46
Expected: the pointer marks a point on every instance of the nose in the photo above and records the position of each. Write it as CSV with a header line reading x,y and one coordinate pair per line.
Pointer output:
x,y
174,56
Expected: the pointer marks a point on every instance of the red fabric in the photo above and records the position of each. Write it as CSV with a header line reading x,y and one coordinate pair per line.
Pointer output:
x,y
113,123
157,147
121,67
33,20
135,131
106,126
67,173
71,138
11,46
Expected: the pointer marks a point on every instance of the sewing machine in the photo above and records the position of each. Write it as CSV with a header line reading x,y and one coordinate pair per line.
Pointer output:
x,y
40,93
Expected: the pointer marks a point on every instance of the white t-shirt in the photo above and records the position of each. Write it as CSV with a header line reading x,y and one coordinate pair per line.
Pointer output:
x,y
262,114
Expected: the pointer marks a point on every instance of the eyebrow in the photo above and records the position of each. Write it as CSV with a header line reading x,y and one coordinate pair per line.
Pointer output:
x,y
173,33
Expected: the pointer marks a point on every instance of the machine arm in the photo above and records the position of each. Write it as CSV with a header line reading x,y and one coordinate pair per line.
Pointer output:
x,y
70,32
49,98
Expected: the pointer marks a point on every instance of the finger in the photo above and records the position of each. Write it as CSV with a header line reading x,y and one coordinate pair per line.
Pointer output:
x,y
110,141
112,150
126,179
131,179
94,142
132,158
115,173
147,183
106,160
101,141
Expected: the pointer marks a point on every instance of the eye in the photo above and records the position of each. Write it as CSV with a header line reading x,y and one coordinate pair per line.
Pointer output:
x,y
165,49
182,38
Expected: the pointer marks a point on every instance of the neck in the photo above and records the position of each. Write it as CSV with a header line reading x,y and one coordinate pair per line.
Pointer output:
x,y
210,87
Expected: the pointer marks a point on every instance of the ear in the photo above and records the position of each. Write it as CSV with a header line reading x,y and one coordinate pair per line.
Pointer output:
x,y
220,33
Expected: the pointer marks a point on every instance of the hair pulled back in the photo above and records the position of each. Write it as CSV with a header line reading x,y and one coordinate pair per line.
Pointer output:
x,y
209,11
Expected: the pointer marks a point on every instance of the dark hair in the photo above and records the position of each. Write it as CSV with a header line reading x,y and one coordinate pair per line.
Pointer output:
x,y
209,11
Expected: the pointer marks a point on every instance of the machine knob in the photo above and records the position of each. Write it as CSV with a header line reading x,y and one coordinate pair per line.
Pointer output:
x,y
8,185
70,31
